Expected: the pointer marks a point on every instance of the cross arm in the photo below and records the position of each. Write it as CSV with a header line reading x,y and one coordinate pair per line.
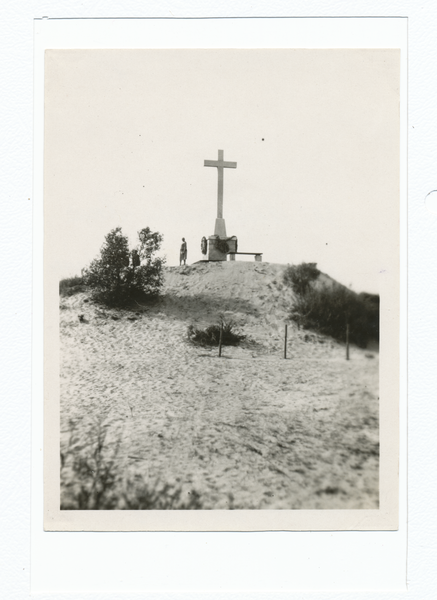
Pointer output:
x,y
216,163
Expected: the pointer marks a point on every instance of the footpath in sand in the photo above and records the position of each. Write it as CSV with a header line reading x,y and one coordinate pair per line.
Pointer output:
x,y
247,430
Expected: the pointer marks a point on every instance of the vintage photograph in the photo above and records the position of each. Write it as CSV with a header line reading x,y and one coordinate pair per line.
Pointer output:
x,y
221,274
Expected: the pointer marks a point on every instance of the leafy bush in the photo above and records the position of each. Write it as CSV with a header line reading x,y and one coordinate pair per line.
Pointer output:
x,y
116,279
71,286
210,336
300,277
328,309
92,478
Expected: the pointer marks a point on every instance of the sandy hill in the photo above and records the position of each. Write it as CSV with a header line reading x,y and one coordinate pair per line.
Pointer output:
x,y
248,293
251,294
248,430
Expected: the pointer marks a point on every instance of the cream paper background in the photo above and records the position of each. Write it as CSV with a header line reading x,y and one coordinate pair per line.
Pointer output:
x,y
386,517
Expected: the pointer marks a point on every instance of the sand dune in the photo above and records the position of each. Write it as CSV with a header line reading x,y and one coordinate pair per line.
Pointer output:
x,y
248,430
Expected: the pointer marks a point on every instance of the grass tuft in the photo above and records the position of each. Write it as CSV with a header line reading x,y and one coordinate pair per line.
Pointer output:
x,y
93,478
210,336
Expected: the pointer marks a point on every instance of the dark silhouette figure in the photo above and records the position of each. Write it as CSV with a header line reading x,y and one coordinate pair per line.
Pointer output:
x,y
183,252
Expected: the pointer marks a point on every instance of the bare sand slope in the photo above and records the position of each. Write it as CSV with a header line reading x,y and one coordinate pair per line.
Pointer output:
x,y
248,430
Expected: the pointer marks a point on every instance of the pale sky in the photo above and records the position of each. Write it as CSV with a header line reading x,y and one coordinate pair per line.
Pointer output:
x,y
314,133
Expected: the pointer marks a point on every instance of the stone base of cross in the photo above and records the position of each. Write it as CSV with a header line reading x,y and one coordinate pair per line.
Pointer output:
x,y
219,247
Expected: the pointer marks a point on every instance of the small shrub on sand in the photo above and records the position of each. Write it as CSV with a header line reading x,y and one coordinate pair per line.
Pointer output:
x,y
92,478
210,336
71,286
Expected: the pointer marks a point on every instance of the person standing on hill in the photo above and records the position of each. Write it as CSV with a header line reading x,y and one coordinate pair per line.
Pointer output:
x,y
183,253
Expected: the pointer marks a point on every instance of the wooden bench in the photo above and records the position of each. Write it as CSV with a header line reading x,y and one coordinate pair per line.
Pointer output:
x,y
258,255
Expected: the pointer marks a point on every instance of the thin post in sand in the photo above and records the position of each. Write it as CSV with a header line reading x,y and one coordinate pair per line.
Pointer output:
x,y
285,341
220,340
347,341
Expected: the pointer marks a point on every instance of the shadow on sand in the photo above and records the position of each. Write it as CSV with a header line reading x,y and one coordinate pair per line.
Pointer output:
x,y
200,306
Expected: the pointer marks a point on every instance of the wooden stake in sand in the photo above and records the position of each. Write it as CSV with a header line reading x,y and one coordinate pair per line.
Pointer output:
x,y
285,341
220,340
347,341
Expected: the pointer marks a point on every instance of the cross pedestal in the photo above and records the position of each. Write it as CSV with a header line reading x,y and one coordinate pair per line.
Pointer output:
x,y
220,228
216,253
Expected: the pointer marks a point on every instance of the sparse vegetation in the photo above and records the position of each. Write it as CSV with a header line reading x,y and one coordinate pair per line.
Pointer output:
x,y
328,309
92,478
192,426
71,286
119,276
210,336
300,277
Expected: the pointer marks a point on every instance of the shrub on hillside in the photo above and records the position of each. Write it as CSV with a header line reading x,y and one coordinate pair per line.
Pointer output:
x,y
300,277
370,304
92,478
71,286
210,336
328,309
116,278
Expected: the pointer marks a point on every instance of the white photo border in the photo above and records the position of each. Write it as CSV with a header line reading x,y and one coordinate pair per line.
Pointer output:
x,y
95,544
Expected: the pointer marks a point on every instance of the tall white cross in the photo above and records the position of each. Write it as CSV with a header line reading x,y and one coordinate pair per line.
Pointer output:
x,y
220,164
